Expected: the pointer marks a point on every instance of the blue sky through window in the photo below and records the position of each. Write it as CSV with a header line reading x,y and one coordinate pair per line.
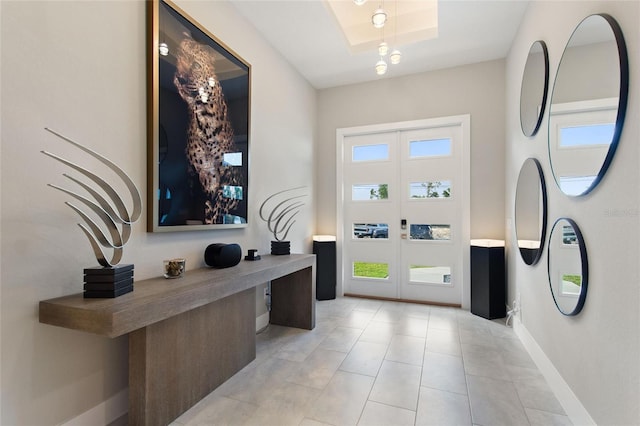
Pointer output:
x,y
597,134
430,148
371,152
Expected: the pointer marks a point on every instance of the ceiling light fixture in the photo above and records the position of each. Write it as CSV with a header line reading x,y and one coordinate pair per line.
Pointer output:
x,y
379,17
164,49
383,49
395,54
359,2
381,67
395,57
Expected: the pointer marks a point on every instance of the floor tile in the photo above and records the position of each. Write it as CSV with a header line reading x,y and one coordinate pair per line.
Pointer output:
x,y
300,348
376,414
343,400
495,402
406,349
443,321
386,314
218,410
378,332
358,319
412,326
444,372
444,341
286,405
341,339
317,370
542,418
365,358
397,384
483,361
441,408
535,393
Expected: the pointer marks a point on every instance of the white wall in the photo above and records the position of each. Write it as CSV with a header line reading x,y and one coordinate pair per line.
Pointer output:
x,y
476,89
597,352
79,67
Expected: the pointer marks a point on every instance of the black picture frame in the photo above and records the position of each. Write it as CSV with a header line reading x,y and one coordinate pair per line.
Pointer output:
x,y
198,109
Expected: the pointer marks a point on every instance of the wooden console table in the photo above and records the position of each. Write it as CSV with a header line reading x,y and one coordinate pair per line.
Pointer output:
x,y
189,335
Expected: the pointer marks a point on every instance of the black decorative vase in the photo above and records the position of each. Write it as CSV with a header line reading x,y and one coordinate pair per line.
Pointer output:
x,y
280,247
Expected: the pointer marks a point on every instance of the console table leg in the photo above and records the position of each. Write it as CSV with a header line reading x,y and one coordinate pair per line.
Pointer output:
x,y
175,363
293,300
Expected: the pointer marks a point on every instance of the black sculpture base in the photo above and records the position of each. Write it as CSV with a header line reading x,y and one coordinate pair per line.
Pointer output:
x,y
280,247
108,282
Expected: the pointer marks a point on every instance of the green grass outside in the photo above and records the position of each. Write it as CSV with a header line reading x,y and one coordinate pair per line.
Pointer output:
x,y
575,279
370,270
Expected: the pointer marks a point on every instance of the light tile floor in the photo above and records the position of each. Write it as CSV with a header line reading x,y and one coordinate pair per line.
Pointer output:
x,y
384,363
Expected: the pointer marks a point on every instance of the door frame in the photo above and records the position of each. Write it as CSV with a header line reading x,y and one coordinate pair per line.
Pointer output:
x,y
464,122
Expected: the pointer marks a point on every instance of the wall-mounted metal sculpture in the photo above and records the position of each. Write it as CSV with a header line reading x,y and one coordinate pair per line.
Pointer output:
x,y
111,210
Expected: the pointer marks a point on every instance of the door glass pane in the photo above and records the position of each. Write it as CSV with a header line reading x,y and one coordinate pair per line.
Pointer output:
x,y
430,274
590,135
575,185
571,284
429,232
431,189
371,230
371,270
365,192
370,152
430,148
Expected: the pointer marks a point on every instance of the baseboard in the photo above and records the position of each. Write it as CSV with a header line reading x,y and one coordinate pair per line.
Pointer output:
x,y
104,413
262,321
570,402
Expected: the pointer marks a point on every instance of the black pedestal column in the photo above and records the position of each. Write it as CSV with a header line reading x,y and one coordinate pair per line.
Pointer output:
x,y
488,279
324,247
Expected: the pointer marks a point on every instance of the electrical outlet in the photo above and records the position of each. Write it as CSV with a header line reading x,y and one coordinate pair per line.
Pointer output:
x,y
266,293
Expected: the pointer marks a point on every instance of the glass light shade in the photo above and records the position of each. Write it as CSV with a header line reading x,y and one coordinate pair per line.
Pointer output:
x,y
164,49
395,57
381,67
379,18
383,49
359,2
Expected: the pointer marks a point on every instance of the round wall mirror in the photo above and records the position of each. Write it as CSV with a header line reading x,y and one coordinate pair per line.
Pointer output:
x,y
533,93
531,211
568,267
588,104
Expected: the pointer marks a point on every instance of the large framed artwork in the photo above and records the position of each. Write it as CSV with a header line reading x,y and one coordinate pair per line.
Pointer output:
x,y
198,105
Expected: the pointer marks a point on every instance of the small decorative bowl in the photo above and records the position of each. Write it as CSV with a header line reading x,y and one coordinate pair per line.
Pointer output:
x,y
174,268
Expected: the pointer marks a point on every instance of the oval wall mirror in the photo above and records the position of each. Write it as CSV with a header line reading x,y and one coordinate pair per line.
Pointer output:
x,y
535,84
567,266
588,104
531,211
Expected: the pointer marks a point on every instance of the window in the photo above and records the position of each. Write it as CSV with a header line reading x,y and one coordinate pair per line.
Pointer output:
x,y
370,152
367,192
432,189
430,148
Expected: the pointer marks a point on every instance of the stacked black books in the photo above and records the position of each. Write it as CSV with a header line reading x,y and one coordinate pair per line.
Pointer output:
x,y
112,281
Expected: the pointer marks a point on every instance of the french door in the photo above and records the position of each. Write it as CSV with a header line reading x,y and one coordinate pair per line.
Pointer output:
x,y
403,210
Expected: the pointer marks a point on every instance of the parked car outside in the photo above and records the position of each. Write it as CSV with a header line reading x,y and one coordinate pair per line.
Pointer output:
x,y
371,230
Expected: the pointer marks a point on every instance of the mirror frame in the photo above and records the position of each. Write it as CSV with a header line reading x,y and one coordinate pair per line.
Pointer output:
x,y
584,268
622,100
545,92
543,228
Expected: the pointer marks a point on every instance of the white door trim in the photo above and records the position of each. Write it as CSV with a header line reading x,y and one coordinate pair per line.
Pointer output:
x,y
464,121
